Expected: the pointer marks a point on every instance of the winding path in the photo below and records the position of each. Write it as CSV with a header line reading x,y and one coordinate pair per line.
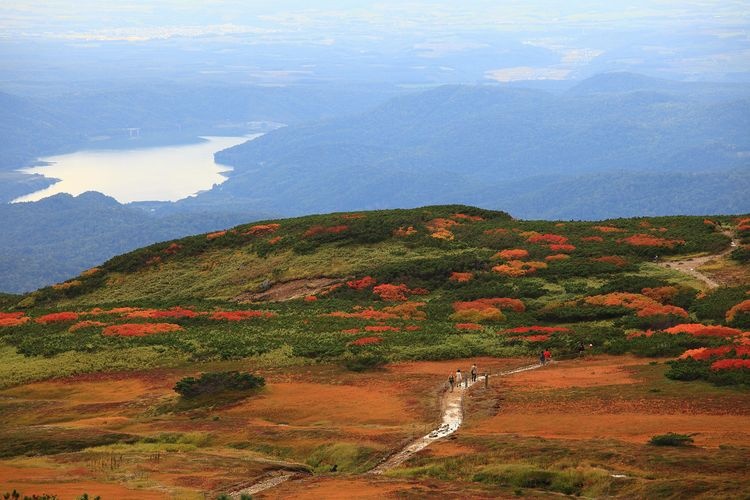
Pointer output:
x,y
452,418
689,266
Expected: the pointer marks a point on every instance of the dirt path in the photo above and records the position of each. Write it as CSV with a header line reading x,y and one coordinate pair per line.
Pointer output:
x,y
689,266
452,417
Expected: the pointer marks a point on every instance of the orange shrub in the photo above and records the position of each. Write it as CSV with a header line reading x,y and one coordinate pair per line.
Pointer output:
x,y
519,268
311,298
443,234
592,238
489,303
412,328
85,324
468,326
663,294
240,315
392,292
615,260
704,353
498,231
407,310
173,249
353,216
699,330
743,224
174,313
461,277
741,308
90,272
351,331
557,256
478,315
557,247
536,338
511,254
471,218
139,329
66,285
403,232
216,234
609,229
275,240
548,238
262,229
645,306
645,240
60,317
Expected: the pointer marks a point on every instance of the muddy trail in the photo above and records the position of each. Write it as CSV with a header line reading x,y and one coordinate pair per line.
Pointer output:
x,y
689,266
451,419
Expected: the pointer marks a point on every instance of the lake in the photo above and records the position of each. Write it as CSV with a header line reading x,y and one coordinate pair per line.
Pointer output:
x,y
165,173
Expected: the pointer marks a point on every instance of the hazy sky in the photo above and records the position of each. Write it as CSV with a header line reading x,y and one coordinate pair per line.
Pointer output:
x,y
479,39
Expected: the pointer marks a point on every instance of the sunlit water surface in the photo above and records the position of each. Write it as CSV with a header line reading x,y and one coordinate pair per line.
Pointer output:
x,y
165,173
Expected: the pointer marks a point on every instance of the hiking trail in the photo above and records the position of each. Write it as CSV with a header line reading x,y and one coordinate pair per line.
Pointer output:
x,y
690,265
452,417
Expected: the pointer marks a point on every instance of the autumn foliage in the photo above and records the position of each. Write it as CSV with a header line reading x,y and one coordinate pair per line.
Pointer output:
x,y
139,329
644,306
645,240
741,308
615,260
700,330
361,284
60,317
262,229
367,341
318,230
731,364
86,324
461,277
240,315
519,267
468,326
13,319
555,239
511,254
174,313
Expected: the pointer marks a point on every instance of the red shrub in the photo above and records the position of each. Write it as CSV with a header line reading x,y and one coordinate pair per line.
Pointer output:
x,y
412,328
60,317
351,331
519,268
536,338
731,364
403,232
556,257
139,329
407,310
381,328
471,218
13,319
704,353
361,284
662,294
311,298
367,341
240,315
85,324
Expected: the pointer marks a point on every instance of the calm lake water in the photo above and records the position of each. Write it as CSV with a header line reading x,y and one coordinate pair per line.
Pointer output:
x,y
166,173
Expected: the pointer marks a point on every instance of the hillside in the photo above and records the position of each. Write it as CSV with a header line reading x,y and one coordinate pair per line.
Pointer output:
x,y
60,236
355,321
497,147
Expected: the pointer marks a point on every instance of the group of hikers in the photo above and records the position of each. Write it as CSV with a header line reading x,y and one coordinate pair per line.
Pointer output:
x,y
459,378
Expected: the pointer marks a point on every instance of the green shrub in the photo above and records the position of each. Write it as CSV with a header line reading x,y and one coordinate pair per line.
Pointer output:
x,y
671,439
688,369
216,382
365,360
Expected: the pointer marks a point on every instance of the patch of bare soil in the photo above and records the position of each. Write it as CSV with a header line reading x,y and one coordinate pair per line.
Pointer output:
x,y
290,290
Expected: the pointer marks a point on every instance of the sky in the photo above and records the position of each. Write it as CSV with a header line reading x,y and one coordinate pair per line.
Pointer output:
x,y
494,40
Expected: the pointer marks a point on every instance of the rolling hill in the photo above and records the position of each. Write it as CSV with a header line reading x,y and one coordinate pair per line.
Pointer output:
x,y
348,325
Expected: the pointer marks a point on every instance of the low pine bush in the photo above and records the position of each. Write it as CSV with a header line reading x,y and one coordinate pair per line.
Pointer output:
x,y
216,382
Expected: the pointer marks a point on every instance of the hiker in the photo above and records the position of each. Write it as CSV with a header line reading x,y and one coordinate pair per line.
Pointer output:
x,y
459,377
541,358
451,381
547,356
581,348
474,372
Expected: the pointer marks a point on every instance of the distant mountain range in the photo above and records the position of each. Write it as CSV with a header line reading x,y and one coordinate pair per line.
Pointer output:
x,y
534,153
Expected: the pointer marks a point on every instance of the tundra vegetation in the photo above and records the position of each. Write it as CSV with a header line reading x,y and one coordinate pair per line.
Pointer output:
x,y
318,344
